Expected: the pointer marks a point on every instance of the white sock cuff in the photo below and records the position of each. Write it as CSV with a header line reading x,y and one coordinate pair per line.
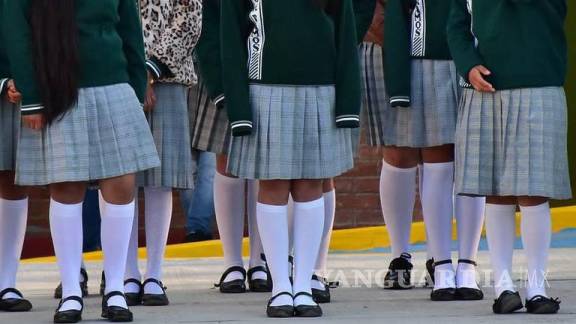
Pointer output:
x,y
56,204
330,194
442,166
309,204
118,211
276,209
542,208
226,179
158,189
390,167
498,208
20,203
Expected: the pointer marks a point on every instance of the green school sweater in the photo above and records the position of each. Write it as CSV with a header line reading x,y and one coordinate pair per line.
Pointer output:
x,y
522,42
413,29
280,42
4,67
364,13
111,47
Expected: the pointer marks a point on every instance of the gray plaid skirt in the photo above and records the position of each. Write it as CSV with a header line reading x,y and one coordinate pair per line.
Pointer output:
x,y
210,127
429,122
171,131
513,143
9,126
105,135
294,136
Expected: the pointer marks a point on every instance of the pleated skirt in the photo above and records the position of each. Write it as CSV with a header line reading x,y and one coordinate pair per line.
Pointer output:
x,y
294,136
513,143
104,135
169,122
9,128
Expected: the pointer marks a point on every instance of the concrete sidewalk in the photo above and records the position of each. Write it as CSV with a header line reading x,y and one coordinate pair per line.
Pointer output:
x,y
359,300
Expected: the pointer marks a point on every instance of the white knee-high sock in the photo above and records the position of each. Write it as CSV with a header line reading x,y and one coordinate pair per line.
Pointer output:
x,y
132,269
115,235
437,207
536,227
397,197
273,227
66,229
291,225
329,214
470,219
158,213
420,184
500,233
308,228
13,216
229,207
255,241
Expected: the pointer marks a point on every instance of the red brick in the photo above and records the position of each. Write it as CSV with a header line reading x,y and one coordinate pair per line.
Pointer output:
x,y
366,185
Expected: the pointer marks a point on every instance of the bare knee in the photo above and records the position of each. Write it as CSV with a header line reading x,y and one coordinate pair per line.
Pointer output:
x,y
438,154
119,190
68,193
222,164
327,185
402,157
8,190
498,200
274,192
306,190
526,201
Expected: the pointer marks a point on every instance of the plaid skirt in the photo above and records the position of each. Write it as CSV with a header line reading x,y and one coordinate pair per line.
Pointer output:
x,y
210,127
294,136
9,127
513,143
429,122
104,135
171,131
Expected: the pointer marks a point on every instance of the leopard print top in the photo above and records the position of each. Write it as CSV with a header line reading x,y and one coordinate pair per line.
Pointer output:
x,y
171,30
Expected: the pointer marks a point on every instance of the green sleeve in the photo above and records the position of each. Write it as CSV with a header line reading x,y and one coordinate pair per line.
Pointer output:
x,y
397,59
233,34
208,51
461,41
348,89
16,28
364,12
130,31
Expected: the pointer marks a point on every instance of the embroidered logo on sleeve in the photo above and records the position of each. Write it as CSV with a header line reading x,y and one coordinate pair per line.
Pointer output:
x,y
419,29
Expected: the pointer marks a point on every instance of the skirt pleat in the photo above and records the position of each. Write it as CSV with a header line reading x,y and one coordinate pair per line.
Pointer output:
x,y
513,143
9,127
104,135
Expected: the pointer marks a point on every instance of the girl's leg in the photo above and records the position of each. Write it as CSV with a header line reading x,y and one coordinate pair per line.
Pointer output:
x,y
117,219
132,269
437,207
13,215
309,215
229,207
158,213
329,194
272,219
255,241
470,219
66,228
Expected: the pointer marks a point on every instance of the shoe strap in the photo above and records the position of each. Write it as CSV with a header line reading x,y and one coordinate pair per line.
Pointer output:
x,y
540,297
304,293
71,298
284,293
252,271
112,294
437,263
154,281
229,271
134,281
406,255
84,274
472,262
327,284
10,290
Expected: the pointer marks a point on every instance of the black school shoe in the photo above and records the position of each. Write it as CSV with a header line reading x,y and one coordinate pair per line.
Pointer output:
x,y
237,286
14,304
282,311
443,294
69,316
155,299
115,313
399,273
307,310
323,296
542,305
429,273
465,293
259,285
83,286
508,302
134,299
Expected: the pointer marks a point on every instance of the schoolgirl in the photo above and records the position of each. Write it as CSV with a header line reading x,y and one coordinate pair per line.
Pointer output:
x,y
80,67
13,199
171,31
413,117
512,131
233,197
292,92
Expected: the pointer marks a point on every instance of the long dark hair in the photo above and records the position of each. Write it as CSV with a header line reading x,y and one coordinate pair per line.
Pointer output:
x,y
55,54
330,6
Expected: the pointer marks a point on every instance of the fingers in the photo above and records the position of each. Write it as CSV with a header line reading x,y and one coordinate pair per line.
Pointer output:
x,y
478,81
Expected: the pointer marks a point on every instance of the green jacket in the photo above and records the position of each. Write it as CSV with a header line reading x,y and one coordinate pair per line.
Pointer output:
x,y
522,42
413,29
111,47
280,42
4,66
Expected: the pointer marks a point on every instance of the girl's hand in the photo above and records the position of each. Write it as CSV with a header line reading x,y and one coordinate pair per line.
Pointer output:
x,y
12,94
150,101
35,121
476,77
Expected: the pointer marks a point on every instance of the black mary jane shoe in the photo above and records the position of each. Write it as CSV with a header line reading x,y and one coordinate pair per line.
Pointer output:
x,y
83,286
115,313
465,293
281,311
323,296
399,275
429,273
237,286
134,299
259,285
307,310
69,316
508,302
14,304
542,305
443,294
155,299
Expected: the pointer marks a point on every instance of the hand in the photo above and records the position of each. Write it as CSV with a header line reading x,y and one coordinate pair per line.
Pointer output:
x,y
35,121
13,95
150,100
477,79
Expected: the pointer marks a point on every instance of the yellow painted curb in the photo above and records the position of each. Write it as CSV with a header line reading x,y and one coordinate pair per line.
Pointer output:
x,y
356,239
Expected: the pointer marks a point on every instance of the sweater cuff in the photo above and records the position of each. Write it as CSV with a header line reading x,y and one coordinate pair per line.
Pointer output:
x,y
158,69
3,85
348,121
31,109
400,101
219,100
241,128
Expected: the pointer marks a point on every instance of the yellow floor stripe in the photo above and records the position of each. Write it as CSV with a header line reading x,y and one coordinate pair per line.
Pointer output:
x,y
356,239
